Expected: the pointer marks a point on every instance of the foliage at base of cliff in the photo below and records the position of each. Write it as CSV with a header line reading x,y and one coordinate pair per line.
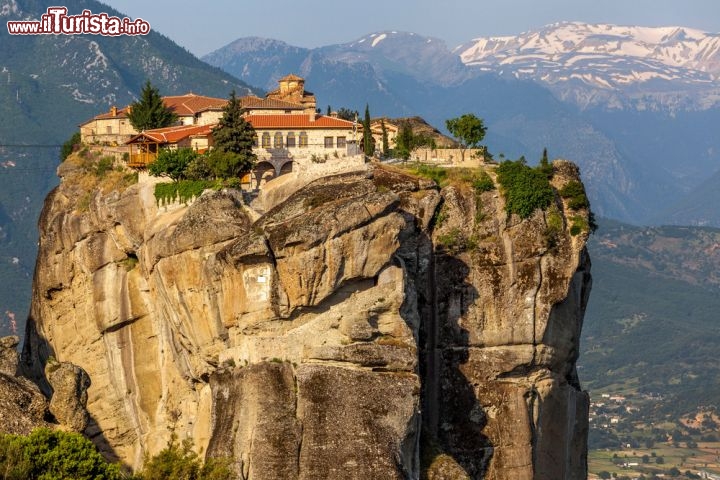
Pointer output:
x,y
49,455
52,454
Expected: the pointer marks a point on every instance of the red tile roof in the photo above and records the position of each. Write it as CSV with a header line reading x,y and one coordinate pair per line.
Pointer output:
x,y
172,134
291,77
260,122
190,104
268,104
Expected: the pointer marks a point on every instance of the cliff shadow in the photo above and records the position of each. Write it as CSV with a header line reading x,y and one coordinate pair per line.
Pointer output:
x,y
36,352
452,442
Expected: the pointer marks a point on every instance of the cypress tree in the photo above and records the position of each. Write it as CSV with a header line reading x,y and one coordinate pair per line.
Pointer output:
x,y
385,144
150,111
368,146
233,135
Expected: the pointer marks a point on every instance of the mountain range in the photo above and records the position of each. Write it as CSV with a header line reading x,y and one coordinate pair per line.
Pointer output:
x,y
636,114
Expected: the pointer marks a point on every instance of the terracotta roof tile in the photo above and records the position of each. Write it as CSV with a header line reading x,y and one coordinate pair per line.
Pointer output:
x,y
292,77
121,113
268,103
190,104
172,134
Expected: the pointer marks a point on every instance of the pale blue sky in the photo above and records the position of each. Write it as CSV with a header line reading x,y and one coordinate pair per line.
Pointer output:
x,y
202,27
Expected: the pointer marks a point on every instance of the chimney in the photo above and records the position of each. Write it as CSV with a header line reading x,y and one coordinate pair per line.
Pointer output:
x,y
113,111
311,117
334,114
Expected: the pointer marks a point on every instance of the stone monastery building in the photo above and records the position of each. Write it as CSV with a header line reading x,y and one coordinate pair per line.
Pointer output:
x,y
289,132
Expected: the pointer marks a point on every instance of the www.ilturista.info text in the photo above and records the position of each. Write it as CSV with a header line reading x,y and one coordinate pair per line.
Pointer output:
x,y
56,21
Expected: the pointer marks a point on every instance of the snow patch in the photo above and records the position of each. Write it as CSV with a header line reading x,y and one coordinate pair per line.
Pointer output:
x,y
100,60
10,8
379,39
80,97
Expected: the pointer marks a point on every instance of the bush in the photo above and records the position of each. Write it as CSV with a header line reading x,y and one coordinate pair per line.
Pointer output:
x,y
438,174
48,455
179,462
525,189
69,146
172,163
199,169
575,193
229,164
483,182
104,165
455,242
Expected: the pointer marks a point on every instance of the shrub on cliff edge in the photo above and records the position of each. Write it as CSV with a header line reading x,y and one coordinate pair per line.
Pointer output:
x,y
526,189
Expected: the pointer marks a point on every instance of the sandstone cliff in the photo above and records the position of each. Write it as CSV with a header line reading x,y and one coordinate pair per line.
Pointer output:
x,y
370,325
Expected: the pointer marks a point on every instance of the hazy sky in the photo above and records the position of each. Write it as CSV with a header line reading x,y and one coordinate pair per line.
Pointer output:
x,y
202,27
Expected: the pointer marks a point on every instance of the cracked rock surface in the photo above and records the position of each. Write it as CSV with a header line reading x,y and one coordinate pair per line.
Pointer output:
x,y
339,334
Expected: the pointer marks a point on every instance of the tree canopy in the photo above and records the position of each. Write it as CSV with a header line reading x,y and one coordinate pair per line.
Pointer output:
x,y
234,138
468,129
368,141
50,454
172,163
150,111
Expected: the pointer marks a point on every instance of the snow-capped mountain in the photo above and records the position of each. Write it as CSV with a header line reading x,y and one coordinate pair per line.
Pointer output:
x,y
609,65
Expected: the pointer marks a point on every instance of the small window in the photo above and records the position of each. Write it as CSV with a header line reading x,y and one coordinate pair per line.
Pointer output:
x,y
278,140
340,142
303,139
328,142
290,140
108,129
255,141
266,140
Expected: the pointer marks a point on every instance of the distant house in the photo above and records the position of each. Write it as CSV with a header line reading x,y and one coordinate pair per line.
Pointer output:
x,y
114,127
194,109
110,128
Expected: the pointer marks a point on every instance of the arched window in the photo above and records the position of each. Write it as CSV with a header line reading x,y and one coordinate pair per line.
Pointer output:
x,y
278,140
266,140
303,139
290,142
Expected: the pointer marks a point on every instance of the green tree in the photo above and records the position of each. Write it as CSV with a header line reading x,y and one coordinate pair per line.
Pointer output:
x,y
150,111
234,135
347,114
329,110
172,163
404,141
468,129
525,189
604,474
179,462
50,454
385,143
69,146
368,143
227,164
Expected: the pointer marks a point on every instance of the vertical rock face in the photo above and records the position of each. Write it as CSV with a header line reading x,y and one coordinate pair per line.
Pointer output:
x,y
346,333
